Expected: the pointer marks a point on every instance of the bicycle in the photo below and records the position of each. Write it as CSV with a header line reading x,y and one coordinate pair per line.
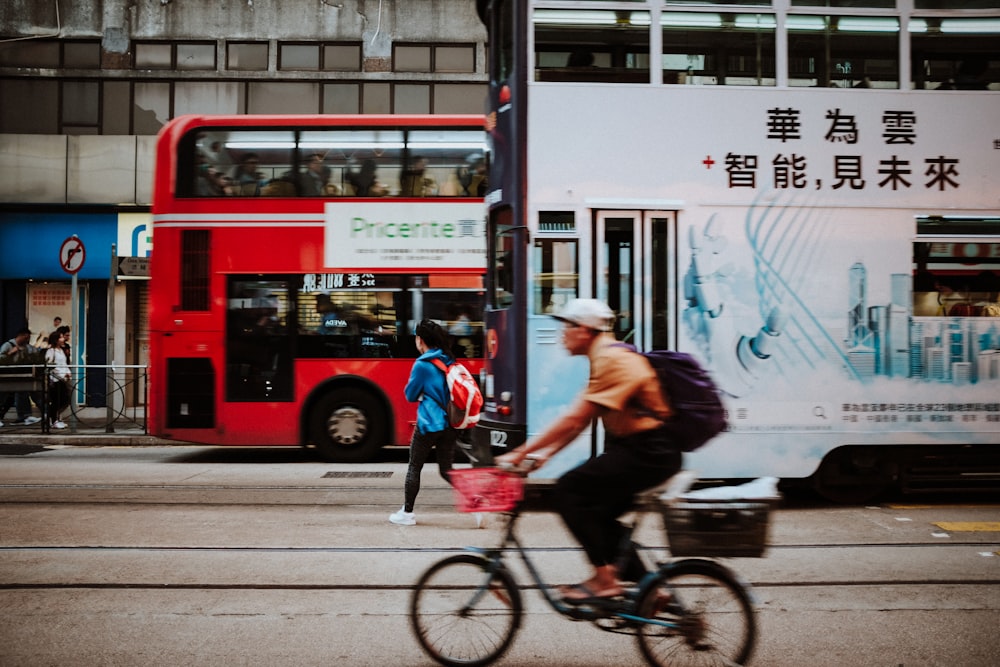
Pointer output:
x,y
466,609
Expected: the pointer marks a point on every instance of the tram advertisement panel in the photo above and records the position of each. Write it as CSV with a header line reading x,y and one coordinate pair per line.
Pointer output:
x,y
807,321
799,282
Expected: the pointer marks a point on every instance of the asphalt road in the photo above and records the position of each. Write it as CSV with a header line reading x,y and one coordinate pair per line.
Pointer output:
x,y
154,556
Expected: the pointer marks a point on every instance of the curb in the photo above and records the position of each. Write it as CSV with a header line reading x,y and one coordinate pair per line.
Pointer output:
x,y
134,439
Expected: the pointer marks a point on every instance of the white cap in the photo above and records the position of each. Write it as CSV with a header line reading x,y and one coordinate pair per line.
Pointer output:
x,y
589,313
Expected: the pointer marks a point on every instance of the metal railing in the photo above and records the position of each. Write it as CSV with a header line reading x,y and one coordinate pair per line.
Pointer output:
x,y
103,398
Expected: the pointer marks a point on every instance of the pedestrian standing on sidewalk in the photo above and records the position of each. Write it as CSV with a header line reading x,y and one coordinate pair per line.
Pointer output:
x,y
59,376
427,385
17,351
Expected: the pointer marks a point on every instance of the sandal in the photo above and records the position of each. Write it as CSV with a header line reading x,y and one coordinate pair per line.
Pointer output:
x,y
584,594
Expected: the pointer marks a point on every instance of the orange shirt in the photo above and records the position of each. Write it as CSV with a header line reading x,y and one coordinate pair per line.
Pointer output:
x,y
624,383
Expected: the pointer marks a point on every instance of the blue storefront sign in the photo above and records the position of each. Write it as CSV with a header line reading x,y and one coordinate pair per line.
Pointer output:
x,y
31,242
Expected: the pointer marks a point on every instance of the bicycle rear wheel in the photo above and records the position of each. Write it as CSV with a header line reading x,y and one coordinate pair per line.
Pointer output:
x,y
711,617
463,613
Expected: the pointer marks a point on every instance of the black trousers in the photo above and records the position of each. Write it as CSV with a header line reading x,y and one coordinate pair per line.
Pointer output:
x,y
58,399
421,445
592,496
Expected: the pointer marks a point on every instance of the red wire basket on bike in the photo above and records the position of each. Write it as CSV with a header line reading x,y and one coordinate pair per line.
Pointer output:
x,y
486,489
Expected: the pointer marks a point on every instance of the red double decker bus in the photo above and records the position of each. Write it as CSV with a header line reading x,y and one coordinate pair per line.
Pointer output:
x,y
293,257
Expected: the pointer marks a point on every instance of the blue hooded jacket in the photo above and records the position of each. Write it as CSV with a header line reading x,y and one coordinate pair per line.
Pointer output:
x,y
427,384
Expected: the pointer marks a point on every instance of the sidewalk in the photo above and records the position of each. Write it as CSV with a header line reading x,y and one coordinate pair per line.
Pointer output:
x,y
90,429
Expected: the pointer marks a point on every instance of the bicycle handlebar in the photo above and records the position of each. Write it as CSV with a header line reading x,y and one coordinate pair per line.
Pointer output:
x,y
526,465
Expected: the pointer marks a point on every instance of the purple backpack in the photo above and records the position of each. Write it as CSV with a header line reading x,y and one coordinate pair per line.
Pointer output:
x,y
698,414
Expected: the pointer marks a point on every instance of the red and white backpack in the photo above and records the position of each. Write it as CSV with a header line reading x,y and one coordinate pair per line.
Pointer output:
x,y
466,399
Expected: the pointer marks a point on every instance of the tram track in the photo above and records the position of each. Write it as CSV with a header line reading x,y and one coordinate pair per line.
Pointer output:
x,y
202,544
763,579
459,549
407,587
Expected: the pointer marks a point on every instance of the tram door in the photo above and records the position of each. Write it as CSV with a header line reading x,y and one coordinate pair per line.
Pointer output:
x,y
635,274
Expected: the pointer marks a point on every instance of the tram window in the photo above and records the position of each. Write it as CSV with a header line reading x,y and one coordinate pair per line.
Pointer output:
x,y
719,49
460,313
502,259
870,4
843,51
955,53
591,45
556,274
956,279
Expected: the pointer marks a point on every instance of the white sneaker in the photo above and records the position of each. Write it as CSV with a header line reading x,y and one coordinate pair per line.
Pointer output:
x,y
59,425
403,518
1,424
31,420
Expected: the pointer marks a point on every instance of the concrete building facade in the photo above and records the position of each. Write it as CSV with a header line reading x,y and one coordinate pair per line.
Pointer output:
x,y
86,86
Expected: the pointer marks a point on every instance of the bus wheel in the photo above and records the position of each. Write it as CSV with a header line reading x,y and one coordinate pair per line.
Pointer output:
x,y
348,426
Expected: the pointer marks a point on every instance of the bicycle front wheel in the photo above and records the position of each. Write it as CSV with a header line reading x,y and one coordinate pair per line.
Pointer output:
x,y
706,614
464,612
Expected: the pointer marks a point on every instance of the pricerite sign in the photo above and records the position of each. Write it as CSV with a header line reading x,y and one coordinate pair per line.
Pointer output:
x,y
410,235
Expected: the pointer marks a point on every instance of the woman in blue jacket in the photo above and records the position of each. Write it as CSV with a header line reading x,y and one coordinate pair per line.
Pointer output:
x,y
427,385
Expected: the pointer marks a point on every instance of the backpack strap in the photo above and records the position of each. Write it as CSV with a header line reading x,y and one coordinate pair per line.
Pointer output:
x,y
635,401
443,367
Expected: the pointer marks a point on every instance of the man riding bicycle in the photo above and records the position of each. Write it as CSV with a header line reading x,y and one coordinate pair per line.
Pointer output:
x,y
624,392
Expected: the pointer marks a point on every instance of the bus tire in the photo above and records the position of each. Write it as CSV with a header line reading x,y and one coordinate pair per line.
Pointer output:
x,y
348,425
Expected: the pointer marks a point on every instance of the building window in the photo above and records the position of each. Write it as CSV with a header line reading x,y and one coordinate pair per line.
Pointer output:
x,y
116,109
246,56
151,108
282,97
30,53
44,105
80,104
180,56
298,57
411,98
342,57
411,58
460,58
207,97
196,56
82,55
153,56
376,98
459,97
341,98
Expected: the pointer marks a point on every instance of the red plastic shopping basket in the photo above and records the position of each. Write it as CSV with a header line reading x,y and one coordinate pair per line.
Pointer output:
x,y
486,489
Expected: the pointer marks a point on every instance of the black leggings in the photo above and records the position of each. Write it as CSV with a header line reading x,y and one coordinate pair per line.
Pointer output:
x,y
58,399
592,496
420,449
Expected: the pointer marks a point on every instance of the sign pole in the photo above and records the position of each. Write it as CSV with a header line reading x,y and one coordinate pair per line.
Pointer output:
x,y
74,363
72,255
109,378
